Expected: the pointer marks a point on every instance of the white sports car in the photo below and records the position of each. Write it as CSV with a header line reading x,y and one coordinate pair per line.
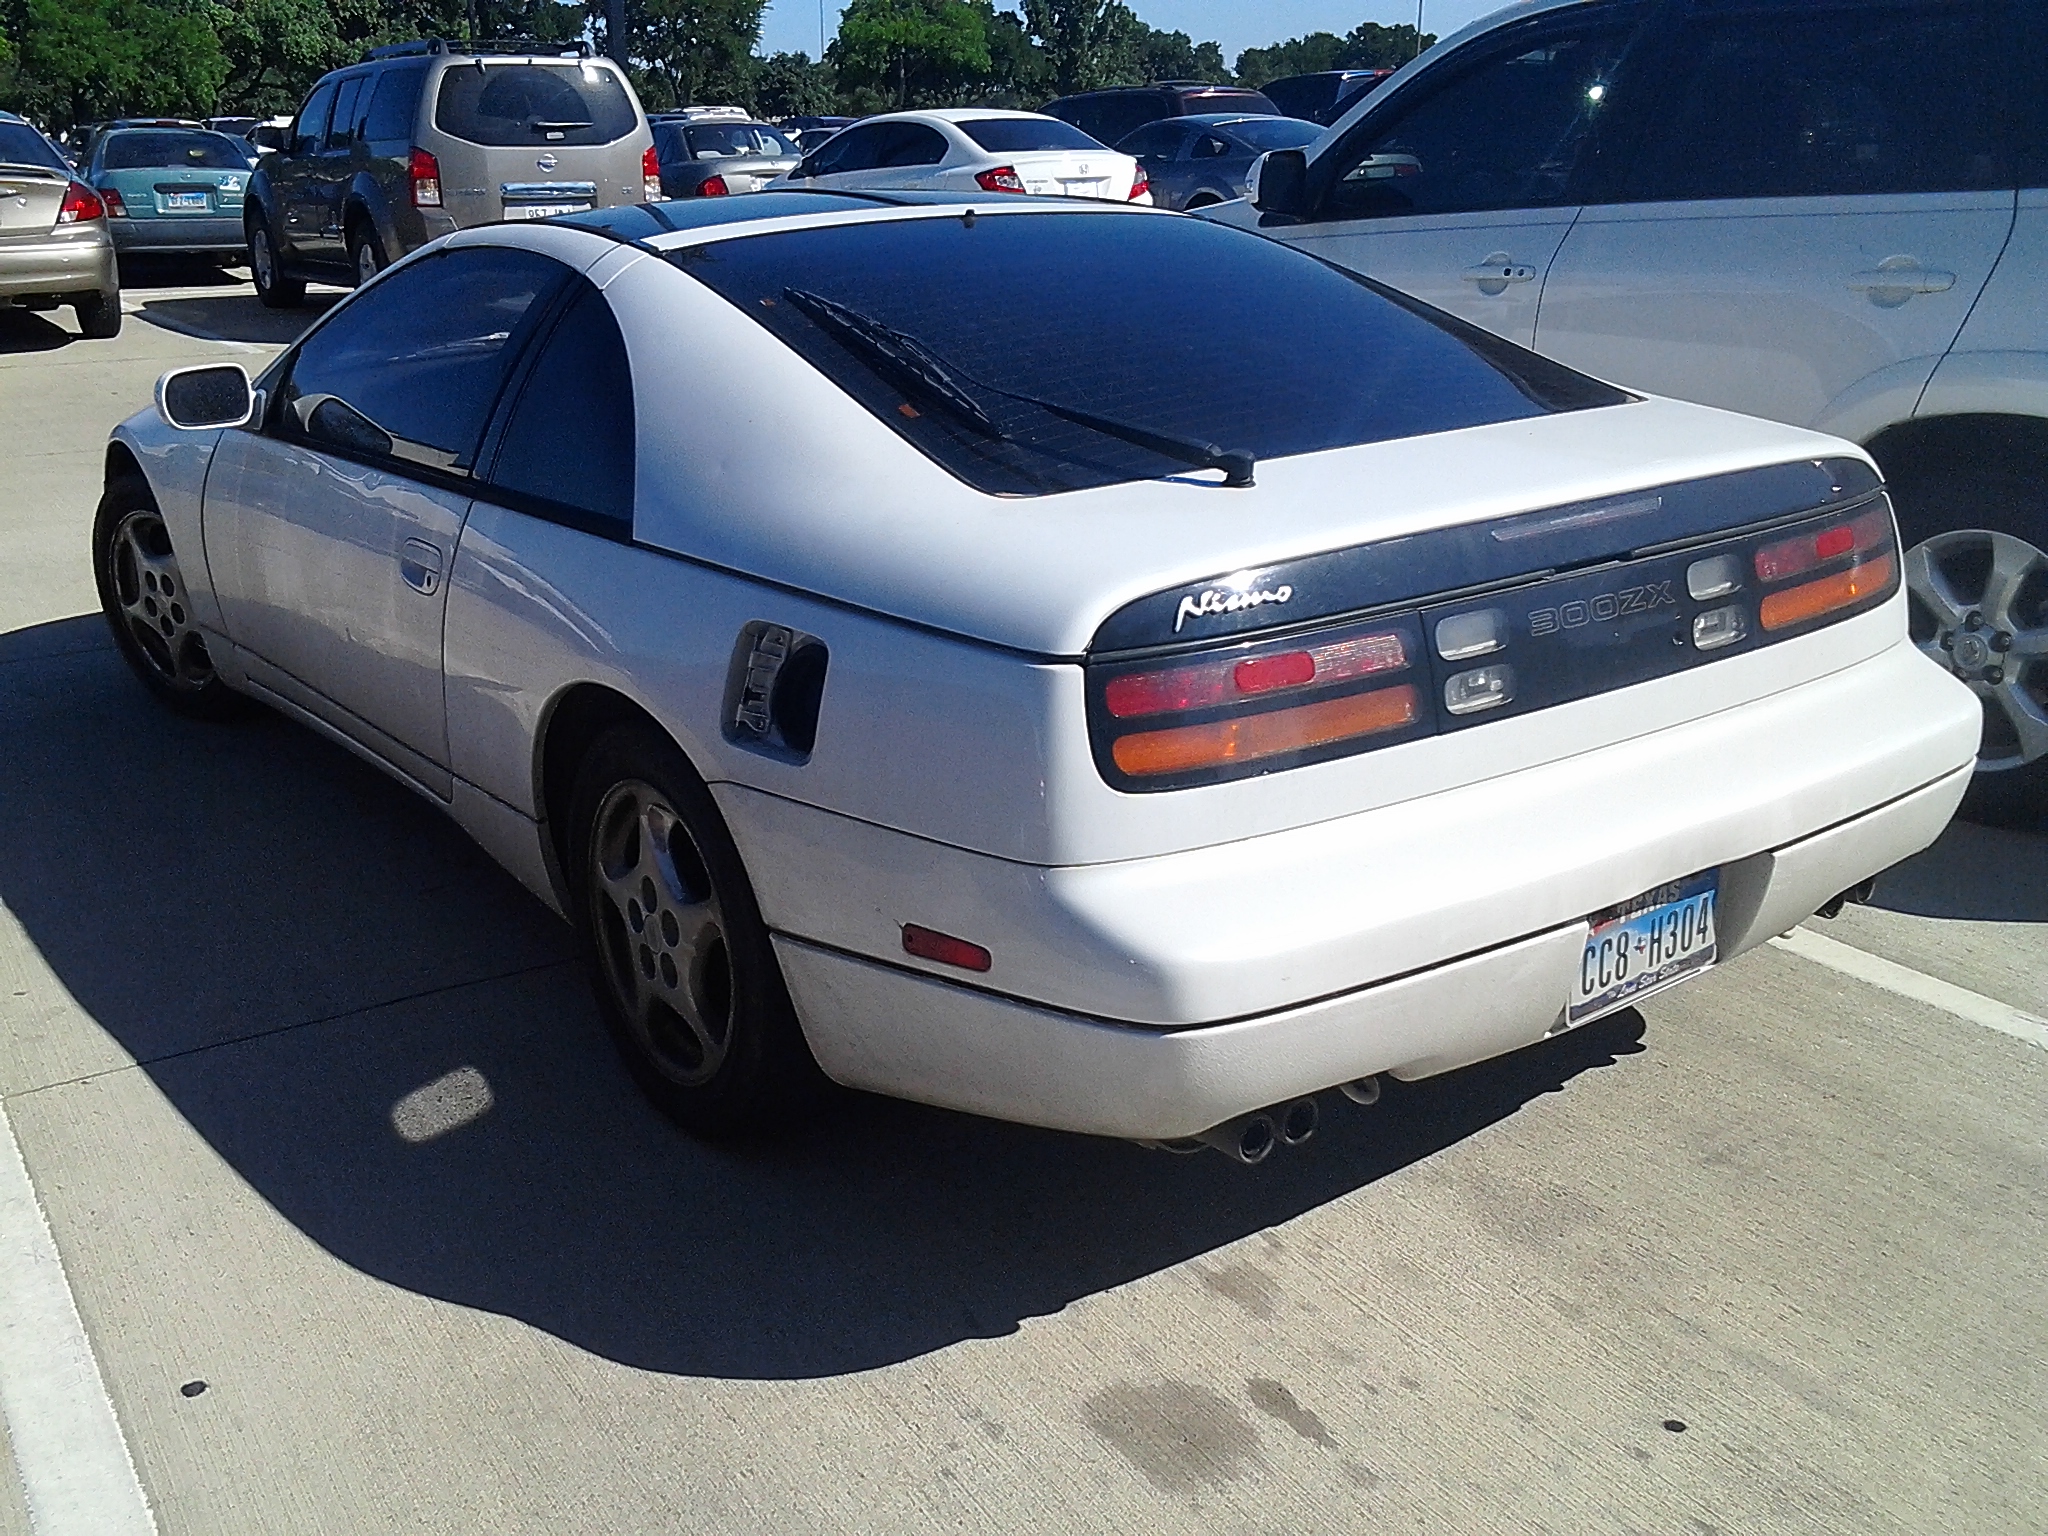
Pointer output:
x,y
1130,708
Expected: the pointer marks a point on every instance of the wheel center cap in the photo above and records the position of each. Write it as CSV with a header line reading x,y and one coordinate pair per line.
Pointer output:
x,y
1972,653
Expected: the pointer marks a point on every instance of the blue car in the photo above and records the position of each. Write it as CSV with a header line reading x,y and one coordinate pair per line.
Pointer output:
x,y
1201,160
172,191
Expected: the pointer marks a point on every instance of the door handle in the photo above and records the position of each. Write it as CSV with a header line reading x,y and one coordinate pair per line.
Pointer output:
x,y
1493,274
1897,278
419,564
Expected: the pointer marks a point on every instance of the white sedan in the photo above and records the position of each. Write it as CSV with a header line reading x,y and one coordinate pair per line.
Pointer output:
x,y
1048,725
966,150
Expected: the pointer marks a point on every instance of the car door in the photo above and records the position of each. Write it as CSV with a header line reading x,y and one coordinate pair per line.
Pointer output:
x,y
328,179
1804,215
1156,147
330,531
292,176
848,153
906,159
1460,188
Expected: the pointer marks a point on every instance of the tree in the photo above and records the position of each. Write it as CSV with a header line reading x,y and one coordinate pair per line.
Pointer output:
x,y
1086,43
912,51
1367,46
793,85
80,59
1176,56
692,50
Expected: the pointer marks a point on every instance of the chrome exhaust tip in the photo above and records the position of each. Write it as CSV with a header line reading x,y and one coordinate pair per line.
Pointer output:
x,y
1364,1090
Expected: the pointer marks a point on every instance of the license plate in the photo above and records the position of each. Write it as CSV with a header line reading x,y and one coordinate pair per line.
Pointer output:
x,y
1660,937
542,210
185,200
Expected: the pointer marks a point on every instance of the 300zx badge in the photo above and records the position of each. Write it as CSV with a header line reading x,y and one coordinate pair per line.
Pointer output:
x,y
1602,607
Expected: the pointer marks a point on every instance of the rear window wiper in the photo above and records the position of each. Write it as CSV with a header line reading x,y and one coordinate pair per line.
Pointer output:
x,y
911,361
543,125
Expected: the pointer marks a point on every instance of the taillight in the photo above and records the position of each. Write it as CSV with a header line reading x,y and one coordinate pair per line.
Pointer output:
x,y
81,205
713,186
424,171
1141,184
1871,570
650,175
1000,178
1252,707
116,209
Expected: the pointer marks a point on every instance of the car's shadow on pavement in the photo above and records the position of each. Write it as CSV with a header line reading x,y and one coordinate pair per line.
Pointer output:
x,y
235,316
23,330
386,1038
1975,873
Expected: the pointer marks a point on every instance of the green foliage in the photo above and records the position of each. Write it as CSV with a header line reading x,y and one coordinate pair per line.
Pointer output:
x,y
913,52
1087,44
1176,56
80,59
794,85
1367,46
692,51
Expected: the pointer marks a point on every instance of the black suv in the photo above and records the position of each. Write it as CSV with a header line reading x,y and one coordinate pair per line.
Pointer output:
x,y
1112,114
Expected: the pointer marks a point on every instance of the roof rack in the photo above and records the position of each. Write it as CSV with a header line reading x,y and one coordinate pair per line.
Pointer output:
x,y
426,46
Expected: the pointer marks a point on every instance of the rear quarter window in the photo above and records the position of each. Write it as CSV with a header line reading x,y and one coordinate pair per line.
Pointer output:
x,y
394,104
534,104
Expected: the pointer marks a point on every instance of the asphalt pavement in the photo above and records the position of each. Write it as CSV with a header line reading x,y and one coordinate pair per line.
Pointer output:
x,y
368,1232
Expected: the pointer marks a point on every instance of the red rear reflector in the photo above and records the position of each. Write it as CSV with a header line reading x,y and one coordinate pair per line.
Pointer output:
x,y
1251,737
424,171
1809,600
1789,557
930,944
1001,178
713,186
1140,184
1204,684
81,205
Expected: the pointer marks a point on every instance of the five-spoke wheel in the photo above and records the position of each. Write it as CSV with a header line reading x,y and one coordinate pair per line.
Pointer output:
x,y
147,605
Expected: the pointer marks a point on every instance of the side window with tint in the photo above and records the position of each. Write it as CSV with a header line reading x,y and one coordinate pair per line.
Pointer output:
x,y
1503,129
393,105
852,150
569,439
347,109
913,144
1825,100
311,127
1208,147
1154,141
411,368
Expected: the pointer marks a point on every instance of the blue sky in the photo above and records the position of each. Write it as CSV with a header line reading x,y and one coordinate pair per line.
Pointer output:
x,y
1236,24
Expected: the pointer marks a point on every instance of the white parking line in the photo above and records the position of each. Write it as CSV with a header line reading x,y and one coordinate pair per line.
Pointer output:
x,y
1906,982
74,1466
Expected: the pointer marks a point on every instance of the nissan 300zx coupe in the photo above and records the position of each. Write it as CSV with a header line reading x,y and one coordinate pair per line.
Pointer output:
x,y
1069,663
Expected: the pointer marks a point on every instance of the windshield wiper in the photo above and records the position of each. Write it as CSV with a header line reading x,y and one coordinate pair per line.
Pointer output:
x,y
911,360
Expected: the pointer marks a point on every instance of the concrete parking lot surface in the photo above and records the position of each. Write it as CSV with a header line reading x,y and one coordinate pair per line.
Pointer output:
x,y
319,1114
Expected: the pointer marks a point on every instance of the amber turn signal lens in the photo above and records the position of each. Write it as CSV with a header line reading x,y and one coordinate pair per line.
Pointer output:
x,y
1809,600
1250,737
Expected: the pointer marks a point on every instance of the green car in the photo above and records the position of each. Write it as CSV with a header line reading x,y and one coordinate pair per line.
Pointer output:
x,y
172,191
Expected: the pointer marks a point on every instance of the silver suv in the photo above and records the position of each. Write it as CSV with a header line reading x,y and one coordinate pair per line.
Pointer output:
x,y
423,138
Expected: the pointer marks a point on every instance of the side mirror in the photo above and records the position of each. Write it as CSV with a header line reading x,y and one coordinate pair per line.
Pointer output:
x,y
1279,183
202,399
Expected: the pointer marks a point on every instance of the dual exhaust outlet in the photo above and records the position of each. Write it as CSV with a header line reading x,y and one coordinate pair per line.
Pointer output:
x,y
1251,1138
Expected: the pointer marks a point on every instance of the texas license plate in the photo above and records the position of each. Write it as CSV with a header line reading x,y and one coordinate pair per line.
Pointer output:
x,y
1633,949
543,210
185,200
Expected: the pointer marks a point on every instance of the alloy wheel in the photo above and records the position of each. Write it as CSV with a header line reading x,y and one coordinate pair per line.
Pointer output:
x,y
661,933
262,261
150,591
1980,608
366,262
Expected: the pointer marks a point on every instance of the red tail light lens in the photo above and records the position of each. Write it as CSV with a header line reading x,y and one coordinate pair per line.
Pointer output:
x,y
81,205
1001,178
1790,557
116,209
424,171
713,186
1141,184
1205,684
650,175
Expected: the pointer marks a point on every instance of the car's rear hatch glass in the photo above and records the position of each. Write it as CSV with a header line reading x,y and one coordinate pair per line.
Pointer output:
x,y
556,103
1171,325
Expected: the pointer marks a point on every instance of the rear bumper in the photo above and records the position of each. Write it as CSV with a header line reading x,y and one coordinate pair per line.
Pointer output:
x,y
215,234
890,1030
66,262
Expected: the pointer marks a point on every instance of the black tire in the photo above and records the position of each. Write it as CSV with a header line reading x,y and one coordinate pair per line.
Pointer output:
x,y
688,984
266,270
1949,513
364,247
1202,200
99,315
143,595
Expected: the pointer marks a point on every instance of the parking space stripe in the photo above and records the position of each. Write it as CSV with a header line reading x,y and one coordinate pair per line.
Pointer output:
x,y
74,1466
1906,982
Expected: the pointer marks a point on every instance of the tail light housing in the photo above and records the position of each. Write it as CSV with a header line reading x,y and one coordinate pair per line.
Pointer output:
x,y
81,205
713,186
650,175
424,172
116,209
1173,712
1141,184
1000,178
